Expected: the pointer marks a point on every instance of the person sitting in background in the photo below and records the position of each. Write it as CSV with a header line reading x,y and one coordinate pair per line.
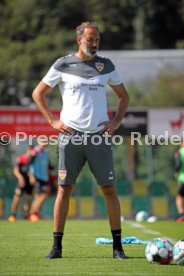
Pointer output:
x,y
179,173
39,177
24,186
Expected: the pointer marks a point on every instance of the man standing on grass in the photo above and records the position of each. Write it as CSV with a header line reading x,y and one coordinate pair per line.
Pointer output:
x,y
82,78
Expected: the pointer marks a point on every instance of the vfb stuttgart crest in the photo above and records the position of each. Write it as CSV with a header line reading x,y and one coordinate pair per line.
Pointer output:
x,y
99,66
62,174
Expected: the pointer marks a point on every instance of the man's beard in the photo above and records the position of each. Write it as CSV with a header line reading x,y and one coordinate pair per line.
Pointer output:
x,y
87,51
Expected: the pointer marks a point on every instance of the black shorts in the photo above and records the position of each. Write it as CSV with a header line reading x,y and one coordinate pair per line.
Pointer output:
x,y
41,187
76,149
181,189
27,189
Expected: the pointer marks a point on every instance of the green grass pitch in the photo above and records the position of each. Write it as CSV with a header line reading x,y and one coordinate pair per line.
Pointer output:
x,y
24,244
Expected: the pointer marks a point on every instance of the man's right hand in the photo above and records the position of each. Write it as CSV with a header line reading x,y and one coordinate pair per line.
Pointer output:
x,y
59,125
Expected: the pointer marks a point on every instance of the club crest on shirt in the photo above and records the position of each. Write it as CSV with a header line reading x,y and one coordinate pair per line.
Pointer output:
x,y
99,66
62,174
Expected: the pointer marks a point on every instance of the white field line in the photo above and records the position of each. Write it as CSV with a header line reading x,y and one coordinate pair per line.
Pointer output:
x,y
148,230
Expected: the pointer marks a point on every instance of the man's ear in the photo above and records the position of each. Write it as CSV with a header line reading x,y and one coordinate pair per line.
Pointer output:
x,y
78,40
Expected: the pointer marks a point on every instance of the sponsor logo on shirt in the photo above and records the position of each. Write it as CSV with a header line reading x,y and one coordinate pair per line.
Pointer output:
x,y
99,66
62,174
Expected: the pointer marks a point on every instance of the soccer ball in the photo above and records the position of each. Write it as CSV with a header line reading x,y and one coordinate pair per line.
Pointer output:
x,y
152,219
178,252
141,216
160,251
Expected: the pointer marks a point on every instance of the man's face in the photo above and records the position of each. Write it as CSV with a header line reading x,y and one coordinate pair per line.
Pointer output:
x,y
89,41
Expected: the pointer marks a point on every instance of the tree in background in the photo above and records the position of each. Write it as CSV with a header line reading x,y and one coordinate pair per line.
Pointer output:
x,y
164,23
116,21
34,33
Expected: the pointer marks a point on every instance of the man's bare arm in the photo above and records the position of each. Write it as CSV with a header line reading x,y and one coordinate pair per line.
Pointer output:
x,y
39,97
121,92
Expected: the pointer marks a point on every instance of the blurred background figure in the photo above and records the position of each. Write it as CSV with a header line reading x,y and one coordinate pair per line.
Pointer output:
x,y
24,187
179,173
39,177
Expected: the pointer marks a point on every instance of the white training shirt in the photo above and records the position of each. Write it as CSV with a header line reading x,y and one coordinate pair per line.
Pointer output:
x,y
83,88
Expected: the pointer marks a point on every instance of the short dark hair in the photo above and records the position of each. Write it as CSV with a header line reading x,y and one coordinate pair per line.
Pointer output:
x,y
80,29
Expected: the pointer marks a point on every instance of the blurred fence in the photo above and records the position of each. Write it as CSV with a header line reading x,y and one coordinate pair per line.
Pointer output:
x,y
157,198
144,182
139,66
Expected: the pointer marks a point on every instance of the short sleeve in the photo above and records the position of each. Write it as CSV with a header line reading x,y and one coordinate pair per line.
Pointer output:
x,y
114,78
53,77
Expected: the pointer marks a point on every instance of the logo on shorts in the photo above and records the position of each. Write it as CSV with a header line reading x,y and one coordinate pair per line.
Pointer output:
x,y
62,174
99,66
111,177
